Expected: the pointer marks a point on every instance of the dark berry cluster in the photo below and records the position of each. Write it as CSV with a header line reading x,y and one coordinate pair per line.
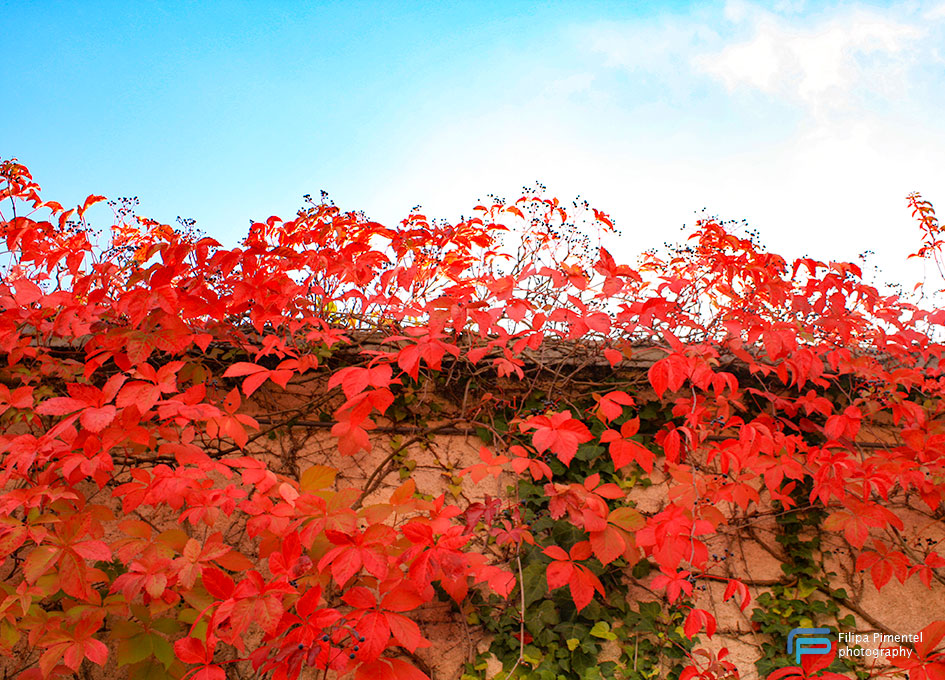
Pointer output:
x,y
350,643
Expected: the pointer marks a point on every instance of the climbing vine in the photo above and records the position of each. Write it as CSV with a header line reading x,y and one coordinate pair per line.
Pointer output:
x,y
634,417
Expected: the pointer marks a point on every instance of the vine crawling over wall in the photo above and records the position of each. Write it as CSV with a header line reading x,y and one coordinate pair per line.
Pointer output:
x,y
130,395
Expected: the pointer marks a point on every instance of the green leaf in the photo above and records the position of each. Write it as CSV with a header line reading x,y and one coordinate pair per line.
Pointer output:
x,y
641,569
588,452
134,649
531,655
548,614
166,626
9,635
126,629
601,630
535,585
149,671
650,610
163,650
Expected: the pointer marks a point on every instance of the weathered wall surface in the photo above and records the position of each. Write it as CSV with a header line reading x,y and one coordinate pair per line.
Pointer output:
x,y
435,451
747,547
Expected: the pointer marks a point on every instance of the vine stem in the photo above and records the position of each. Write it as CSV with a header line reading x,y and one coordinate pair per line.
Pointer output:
x,y
377,476
521,617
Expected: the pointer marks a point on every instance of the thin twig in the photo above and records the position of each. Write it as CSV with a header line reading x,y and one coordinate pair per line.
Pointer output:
x,y
521,618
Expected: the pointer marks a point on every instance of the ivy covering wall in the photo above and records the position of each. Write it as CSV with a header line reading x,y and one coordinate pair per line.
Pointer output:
x,y
652,436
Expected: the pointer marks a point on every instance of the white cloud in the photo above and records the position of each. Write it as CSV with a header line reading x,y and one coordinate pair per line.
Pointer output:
x,y
647,46
829,64
841,124
830,60
576,83
936,12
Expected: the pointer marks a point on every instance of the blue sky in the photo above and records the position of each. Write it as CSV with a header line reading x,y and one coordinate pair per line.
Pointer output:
x,y
810,120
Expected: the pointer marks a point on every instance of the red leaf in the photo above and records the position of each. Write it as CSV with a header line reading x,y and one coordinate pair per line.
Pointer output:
x,y
96,651
583,583
555,552
360,597
626,451
734,587
93,550
558,574
835,427
611,405
696,621
27,292
210,673
932,634
60,406
242,368
351,438
613,356
267,612
254,382
190,650
406,632
143,395
811,663
281,378
308,603
402,598
38,562
354,379
608,544
855,526
558,432
659,375
675,583
217,583
12,538
97,419
344,564
375,670
405,671
89,202
375,629
581,550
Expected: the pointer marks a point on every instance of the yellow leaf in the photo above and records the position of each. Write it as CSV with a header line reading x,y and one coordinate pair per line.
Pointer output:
x,y
317,477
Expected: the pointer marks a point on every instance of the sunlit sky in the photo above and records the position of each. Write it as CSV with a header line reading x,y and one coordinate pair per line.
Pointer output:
x,y
810,120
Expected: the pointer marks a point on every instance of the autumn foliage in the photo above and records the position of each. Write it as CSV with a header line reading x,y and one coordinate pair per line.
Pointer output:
x,y
131,358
